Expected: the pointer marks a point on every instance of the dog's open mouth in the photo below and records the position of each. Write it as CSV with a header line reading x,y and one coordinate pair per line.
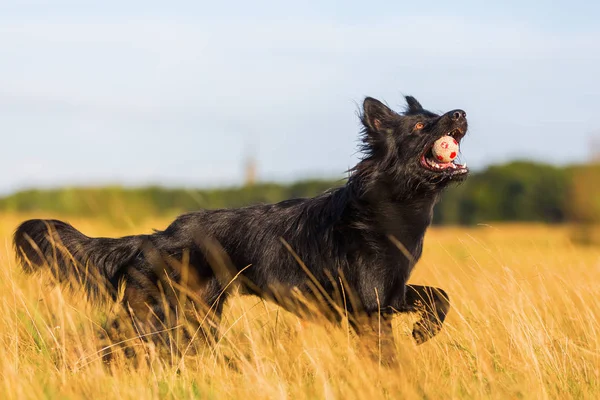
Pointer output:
x,y
429,162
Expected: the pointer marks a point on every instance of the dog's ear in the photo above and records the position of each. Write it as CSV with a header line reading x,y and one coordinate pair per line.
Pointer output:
x,y
413,105
376,115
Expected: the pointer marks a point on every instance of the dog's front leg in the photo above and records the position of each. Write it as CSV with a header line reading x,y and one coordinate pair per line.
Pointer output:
x,y
373,323
433,304
376,337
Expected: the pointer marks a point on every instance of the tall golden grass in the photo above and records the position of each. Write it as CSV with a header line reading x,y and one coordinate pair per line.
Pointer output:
x,y
525,324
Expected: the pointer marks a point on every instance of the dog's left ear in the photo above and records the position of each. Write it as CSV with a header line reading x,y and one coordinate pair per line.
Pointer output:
x,y
376,115
413,105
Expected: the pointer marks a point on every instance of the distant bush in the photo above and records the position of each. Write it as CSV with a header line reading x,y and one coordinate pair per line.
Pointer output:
x,y
518,191
583,208
134,204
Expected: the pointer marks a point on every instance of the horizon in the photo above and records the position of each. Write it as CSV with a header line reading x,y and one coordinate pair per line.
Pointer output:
x,y
242,184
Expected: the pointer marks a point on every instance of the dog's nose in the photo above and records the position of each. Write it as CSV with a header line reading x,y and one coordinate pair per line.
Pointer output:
x,y
457,115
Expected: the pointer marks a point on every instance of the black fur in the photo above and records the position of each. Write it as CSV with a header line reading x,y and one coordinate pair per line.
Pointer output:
x,y
363,238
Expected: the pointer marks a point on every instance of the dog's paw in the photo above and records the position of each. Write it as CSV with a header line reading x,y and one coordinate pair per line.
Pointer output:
x,y
423,331
419,336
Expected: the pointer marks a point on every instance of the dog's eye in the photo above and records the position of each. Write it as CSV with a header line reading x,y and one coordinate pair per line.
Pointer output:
x,y
419,125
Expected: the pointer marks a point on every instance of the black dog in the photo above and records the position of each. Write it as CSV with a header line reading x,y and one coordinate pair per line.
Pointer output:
x,y
350,250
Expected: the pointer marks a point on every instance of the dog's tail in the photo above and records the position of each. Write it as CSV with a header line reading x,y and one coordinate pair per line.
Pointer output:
x,y
74,258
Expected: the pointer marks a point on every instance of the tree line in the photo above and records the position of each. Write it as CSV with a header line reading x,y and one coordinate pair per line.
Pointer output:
x,y
518,191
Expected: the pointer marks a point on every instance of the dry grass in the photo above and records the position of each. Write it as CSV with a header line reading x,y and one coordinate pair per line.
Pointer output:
x,y
524,324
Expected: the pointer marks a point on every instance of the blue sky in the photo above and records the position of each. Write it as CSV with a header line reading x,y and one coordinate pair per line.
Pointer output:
x,y
176,93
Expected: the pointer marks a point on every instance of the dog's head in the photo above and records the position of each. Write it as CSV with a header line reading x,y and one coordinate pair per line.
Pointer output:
x,y
398,146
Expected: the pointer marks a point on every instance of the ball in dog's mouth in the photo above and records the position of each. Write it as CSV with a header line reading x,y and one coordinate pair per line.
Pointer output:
x,y
445,149
441,156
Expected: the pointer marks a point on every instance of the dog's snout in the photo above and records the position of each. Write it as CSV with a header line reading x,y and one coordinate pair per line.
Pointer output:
x,y
458,115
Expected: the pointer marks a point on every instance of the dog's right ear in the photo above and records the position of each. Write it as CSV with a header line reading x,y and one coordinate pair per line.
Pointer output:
x,y
377,116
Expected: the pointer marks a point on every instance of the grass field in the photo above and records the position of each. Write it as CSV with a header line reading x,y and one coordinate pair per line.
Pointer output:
x,y
525,324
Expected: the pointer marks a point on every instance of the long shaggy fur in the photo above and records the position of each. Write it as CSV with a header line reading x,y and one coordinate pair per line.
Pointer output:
x,y
365,237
